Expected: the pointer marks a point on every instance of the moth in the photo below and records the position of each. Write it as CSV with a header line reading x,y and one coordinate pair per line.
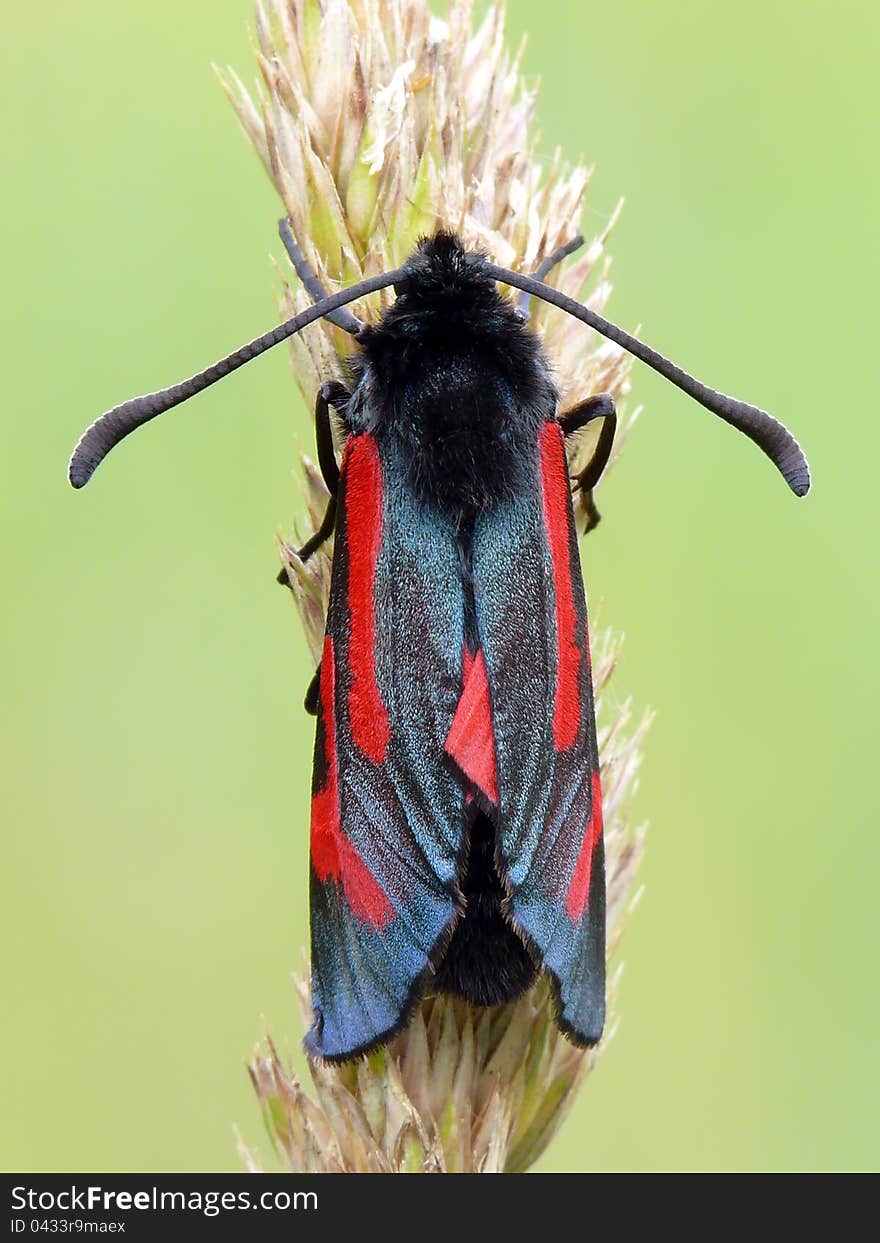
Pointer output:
x,y
456,820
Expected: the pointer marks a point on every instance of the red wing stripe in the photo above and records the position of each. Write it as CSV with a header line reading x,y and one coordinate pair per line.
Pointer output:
x,y
556,498
334,857
363,526
471,740
579,886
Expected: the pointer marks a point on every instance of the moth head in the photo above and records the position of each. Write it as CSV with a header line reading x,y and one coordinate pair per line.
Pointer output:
x,y
439,272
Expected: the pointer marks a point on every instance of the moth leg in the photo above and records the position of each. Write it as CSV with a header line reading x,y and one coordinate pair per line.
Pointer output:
x,y
342,318
544,269
331,393
313,694
599,407
323,533
336,395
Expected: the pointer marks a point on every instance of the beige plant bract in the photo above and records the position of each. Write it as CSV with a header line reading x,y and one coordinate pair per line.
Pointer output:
x,y
377,123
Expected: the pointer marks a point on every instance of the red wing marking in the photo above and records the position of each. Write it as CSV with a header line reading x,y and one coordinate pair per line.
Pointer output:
x,y
471,741
555,493
363,506
333,856
579,886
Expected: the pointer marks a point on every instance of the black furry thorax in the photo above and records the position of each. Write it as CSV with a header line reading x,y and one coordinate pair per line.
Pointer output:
x,y
454,380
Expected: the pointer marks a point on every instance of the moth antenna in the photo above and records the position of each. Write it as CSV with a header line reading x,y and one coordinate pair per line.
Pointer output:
x,y
97,441
545,268
342,319
768,433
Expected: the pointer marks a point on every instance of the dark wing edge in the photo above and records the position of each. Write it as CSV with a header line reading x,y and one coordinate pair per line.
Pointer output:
x,y
533,626
388,823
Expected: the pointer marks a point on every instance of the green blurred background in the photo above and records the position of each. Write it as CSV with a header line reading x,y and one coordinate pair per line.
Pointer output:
x,y
155,755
